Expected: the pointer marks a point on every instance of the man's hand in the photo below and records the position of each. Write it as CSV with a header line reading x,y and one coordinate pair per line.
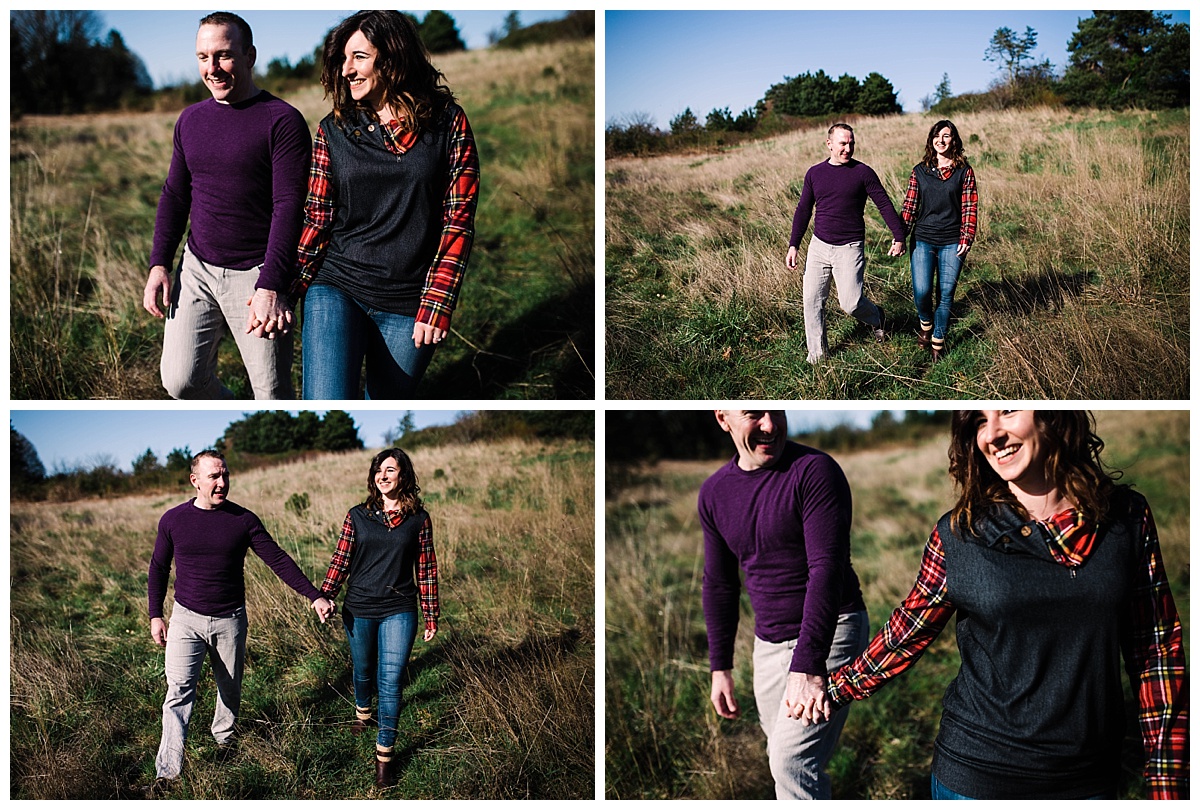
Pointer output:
x,y
792,258
270,314
158,632
426,335
430,632
159,279
324,608
722,695
897,249
806,698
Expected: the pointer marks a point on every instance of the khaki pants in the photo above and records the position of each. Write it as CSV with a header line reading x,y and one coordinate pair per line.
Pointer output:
x,y
844,265
799,753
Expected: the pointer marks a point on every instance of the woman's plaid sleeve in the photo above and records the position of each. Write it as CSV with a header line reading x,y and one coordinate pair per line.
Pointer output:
x,y
339,566
1157,672
319,210
901,642
970,209
440,294
427,576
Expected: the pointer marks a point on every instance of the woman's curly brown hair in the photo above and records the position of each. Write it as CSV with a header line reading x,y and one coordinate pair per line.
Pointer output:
x,y
1072,464
410,490
412,86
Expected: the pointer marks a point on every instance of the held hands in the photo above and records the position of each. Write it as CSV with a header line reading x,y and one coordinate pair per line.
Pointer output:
x,y
324,608
270,314
806,699
158,632
426,335
159,280
722,695
897,248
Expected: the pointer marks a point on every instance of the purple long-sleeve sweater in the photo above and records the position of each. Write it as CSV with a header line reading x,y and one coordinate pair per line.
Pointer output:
x,y
840,196
787,527
209,549
241,172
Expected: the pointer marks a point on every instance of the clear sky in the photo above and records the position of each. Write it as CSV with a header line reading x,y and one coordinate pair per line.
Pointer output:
x,y
658,63
69,439
165,40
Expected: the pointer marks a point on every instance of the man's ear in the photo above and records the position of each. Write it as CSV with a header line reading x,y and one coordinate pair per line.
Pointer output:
x,y
721,420
252,53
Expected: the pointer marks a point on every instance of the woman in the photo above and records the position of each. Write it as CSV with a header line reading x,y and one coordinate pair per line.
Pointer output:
x,y
1054,573
385,555
390,214
940,209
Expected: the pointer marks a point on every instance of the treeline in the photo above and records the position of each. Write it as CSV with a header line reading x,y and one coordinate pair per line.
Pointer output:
x,y
1118,60
637,437
270,437
62,63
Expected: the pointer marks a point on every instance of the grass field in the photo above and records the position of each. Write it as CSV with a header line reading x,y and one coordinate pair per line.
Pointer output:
x,y
1077,286
84,191
663,740
500,705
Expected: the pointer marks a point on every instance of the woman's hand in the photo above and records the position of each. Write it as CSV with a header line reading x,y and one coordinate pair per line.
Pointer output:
x,y
430,632
962,251
426,335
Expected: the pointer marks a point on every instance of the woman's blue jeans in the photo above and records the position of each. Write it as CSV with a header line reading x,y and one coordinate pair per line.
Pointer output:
x,y
338,332
926,260
379,649
940,791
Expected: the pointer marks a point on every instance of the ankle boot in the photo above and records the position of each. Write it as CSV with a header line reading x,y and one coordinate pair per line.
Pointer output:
x,y
362,720
385,769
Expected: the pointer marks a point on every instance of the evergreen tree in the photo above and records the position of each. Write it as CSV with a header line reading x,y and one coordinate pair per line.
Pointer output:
x,y
685,123
1010,49
146,464
338,432
25,468
440,33
845,94
877,96
1128,58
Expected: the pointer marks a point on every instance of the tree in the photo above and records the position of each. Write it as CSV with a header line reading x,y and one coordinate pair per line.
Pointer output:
x,y
25,468
179,459
719,120
1128,58
338,432
440,33
685,123
146,464
845,94
877,96
1010,50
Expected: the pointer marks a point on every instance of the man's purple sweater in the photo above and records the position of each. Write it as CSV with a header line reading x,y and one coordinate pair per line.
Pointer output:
x,y
787,527
241,172
209,548
840,195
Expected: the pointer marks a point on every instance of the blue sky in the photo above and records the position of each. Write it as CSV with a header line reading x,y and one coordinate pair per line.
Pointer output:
x,y
69,439
165,40
660,62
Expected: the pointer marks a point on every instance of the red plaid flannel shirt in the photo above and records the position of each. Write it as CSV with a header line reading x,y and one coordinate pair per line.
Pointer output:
x,y
339,566
970,204
1156,648
440,293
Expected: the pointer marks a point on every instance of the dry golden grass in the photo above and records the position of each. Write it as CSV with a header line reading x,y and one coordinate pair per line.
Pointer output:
x,y
1076,286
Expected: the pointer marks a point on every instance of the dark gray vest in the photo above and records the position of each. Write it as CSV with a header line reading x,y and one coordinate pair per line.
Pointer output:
x,y
939,220
388,221
382,582
1036,708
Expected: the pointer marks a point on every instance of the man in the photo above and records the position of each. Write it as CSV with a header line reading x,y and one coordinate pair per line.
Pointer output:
x,y
239,170
780,512
208,537
839,188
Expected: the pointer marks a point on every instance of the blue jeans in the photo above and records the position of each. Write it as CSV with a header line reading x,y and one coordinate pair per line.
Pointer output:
x,y
338,332
379,649
925,261
940,791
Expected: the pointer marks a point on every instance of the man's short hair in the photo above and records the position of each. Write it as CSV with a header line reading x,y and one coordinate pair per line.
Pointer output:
x,y
205,454
229,18
839,125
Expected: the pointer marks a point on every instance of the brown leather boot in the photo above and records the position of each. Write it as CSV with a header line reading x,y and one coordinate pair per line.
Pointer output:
x,y
385,769
362,720
924,336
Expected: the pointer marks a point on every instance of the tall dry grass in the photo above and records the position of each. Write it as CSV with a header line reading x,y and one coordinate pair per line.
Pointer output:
x,y
1076,287
499,705
663,740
